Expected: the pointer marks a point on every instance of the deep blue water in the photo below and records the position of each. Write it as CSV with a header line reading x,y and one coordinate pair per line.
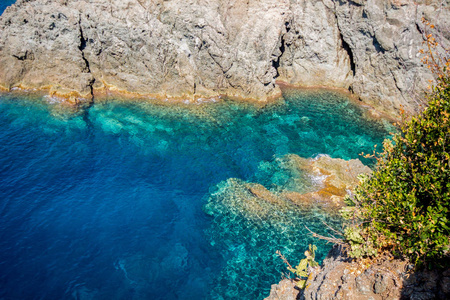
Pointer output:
x,y
4,4
127,201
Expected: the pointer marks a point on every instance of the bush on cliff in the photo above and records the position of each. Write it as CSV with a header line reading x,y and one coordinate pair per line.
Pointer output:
x,y
404,206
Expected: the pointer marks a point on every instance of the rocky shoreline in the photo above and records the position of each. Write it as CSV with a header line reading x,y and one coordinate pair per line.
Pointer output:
x,y
340,277
202,49
189,50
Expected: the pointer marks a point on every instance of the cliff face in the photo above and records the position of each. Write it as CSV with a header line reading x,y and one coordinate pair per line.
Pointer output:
x,y
181,48
176,48
369,46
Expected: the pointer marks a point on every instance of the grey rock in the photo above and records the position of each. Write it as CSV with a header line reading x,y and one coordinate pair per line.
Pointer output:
x,y
363,285
385,278
314,53
285,290
205,48
168,48
384,38
423,296
445,285
380,284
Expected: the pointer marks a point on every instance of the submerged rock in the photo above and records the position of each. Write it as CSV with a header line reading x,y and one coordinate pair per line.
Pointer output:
x,y
319,183
250,200
336,177
250,221
192,49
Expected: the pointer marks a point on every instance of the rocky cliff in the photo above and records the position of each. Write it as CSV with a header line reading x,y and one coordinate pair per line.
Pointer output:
x,y
387,278
205,48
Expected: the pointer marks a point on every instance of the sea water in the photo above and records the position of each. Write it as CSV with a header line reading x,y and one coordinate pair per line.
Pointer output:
x,y
127,200
4,4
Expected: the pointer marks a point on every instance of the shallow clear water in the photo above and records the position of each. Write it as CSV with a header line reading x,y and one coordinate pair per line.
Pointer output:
x,y
130,200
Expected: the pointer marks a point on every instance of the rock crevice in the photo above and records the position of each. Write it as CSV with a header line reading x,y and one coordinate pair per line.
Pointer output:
x,y
347,48
281,50
87,69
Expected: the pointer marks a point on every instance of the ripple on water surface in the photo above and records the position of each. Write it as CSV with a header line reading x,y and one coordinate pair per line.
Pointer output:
x,y
143,201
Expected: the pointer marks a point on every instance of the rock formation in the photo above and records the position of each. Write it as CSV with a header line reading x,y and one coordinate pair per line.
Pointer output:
x,y
337,177
386,278
320,183
205,48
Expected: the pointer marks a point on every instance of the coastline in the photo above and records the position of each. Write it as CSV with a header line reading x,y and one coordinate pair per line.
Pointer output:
x,y
75,100
373,112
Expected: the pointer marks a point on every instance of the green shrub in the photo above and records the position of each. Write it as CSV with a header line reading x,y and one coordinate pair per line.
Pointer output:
x,y
404,206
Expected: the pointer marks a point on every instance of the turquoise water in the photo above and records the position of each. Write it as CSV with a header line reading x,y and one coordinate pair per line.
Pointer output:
x,y
133,200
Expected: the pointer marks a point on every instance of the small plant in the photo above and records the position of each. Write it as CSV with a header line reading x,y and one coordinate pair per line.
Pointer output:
x,y
438,63
354,234
301,271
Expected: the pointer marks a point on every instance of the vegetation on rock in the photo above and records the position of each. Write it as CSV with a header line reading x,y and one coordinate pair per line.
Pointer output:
x,y
302,270
404,207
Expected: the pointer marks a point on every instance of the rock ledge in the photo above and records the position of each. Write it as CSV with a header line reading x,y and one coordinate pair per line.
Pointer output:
x,y
340,277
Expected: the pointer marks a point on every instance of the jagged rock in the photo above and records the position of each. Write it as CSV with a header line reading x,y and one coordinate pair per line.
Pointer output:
x,y
341,277
167,48
314,51
205,48
384,39
284,290
371,47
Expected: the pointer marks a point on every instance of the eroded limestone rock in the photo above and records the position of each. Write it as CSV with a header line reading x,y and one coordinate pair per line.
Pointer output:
x,y
284,290
384,38
166,48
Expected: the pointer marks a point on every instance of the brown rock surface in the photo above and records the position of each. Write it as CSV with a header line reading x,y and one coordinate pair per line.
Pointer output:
x,y
337,175
284,290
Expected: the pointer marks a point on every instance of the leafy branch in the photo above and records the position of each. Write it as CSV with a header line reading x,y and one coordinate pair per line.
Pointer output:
x,y
302,270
